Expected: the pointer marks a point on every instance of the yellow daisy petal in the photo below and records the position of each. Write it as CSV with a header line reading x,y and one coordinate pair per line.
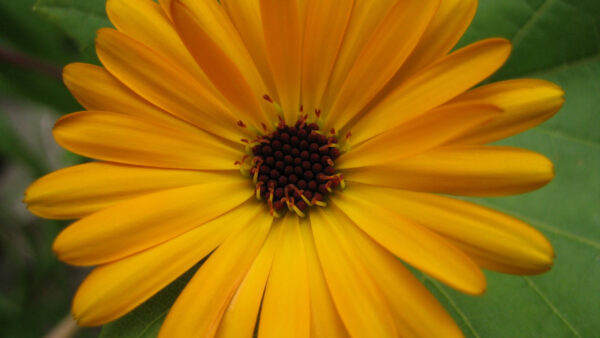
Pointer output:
x,y
381,57
411,242
114,289
166,86
433,86
95,89
120,138
484,234
145,21
418,135
491,171
78,191
416,311
287,288
142,222
326,24
360,303
325,321
246,17
215,44
445,29
239,320
525,102
166,6
201,305
365,18
283,38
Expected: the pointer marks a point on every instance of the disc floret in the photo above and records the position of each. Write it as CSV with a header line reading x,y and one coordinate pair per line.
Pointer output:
x,y
293,167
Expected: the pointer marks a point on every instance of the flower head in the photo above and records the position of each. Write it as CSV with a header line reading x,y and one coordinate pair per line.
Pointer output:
x,y
301,146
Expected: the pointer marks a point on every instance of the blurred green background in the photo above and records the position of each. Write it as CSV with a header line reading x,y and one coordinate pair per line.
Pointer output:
x,y
557,40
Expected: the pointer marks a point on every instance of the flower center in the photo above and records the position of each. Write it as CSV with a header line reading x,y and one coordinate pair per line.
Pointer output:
x,y
294,167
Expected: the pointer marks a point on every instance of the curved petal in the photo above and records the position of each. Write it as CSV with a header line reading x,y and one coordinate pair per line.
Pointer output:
x,y
120,138
366,15
359,301
167,86
114,289
200,307
432,86
486,235
78,191
166,6
445,29
239,320
418,135
325,321
525,102
467,171
326,24
140,223
411,242
283,39
380,58
145,21
216,46
246,17
417,312
95,89
287,288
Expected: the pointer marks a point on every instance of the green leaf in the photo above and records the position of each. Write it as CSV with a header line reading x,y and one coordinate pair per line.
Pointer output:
x,y
556,40
79,19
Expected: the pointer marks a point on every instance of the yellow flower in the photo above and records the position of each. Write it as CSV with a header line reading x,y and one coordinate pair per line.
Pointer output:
x,y
301,146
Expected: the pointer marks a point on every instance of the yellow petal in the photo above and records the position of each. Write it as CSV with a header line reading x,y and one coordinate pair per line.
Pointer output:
x,y
325,321
418,135
326,24
283,39
166,6
287,288
525,102
246,17
140,223
216,46
433,86
467,171
366,16
80,190
239,320
484,234
380,58
120,138
167,86
95,89
114,289
360,303
411,242
145,21
200,307
417,312
445,29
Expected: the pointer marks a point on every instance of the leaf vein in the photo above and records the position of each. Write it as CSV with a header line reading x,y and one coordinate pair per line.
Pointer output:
x,y
551,306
